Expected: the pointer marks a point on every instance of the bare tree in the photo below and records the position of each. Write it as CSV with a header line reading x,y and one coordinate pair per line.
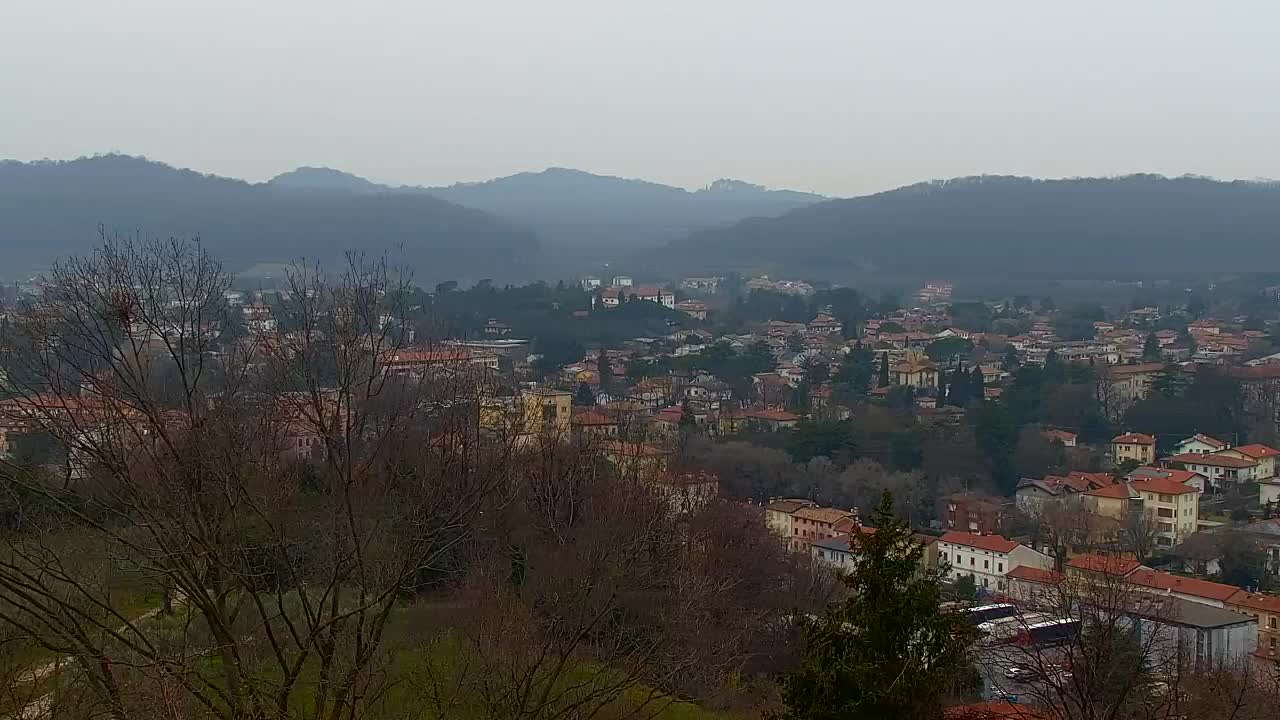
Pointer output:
x,y
281,489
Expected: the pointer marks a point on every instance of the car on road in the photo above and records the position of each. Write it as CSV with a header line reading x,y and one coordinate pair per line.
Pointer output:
x,y
1017,673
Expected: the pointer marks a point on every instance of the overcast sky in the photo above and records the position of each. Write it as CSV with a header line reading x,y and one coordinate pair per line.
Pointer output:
x,y
841,96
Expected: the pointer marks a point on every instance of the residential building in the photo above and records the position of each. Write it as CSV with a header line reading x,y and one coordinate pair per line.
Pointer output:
x,y
590,283
1200,445
635,459
1264,608
836,552
662,296
919,375
824,324
1133,446
609,297
1191,589
1263,455
819,523
1123,385
989,558
1067,438
1034,586
973,513
547,412
1221,468
1186,477
622,281
1111,501
590,422
1032,495
778,514
772,419
687,492
1173,506
695,309
1091,566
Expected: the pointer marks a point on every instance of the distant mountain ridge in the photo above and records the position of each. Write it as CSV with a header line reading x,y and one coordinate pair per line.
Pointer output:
x,y
578,209
52,209
1001,224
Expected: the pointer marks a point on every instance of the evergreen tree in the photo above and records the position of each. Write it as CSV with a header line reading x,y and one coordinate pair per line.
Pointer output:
x,y
942,388
584,396
977,385
1012,360
888,651
687,421
883,380
1055,372
605,370
1151,348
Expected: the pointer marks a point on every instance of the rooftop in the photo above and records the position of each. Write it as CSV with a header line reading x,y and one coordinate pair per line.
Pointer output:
x,y
1133,439
1109,564
1213,460
1155,580
994,543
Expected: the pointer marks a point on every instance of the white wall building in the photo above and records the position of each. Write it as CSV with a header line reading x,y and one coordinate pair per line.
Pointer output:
x,y
988,558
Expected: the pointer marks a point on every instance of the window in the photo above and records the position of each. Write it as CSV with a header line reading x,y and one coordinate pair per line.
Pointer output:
x,y
1166,498
1164,512
985,583
1271,622
1000,568
970,562
986,564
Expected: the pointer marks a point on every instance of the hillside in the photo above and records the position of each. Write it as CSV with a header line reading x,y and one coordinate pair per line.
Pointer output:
x,y
992,225
51,209
579,209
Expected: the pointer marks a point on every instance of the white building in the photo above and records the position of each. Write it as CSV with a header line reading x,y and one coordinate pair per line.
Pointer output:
x,y
988,558
622,281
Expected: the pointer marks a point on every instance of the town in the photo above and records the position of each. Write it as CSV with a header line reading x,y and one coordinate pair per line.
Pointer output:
x,y
1046,461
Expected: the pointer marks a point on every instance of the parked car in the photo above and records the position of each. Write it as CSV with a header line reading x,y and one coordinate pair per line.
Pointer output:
x,y
1017,673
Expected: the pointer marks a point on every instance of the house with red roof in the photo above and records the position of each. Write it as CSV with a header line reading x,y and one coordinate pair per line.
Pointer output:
x,y
1133,446
1263,455
1186,477
1032,495
1034,587
1201,445
1089,565
993,710
988,558
1172,506
1223,468
1265,608
1066,437
1186,588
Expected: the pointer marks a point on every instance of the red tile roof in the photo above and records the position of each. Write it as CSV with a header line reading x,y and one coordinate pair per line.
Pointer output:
x,y
588,416
1167,486
1062,435
1205,439
994,543
1133,439
1035,574
774,415
1115,492
1120,565
1258,602
1214,459
1257,450
1148,578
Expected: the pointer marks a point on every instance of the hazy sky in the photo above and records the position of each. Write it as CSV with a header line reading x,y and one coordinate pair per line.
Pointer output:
x,y
838,96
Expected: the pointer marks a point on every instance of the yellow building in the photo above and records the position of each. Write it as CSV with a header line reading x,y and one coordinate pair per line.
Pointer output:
x,y
919,375
1266,609
547,412
635,460
1133,446
1110,501
1174,507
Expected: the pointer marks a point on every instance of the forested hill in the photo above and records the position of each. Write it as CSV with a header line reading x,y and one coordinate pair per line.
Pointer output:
x,y
53,209
579,209
997,225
